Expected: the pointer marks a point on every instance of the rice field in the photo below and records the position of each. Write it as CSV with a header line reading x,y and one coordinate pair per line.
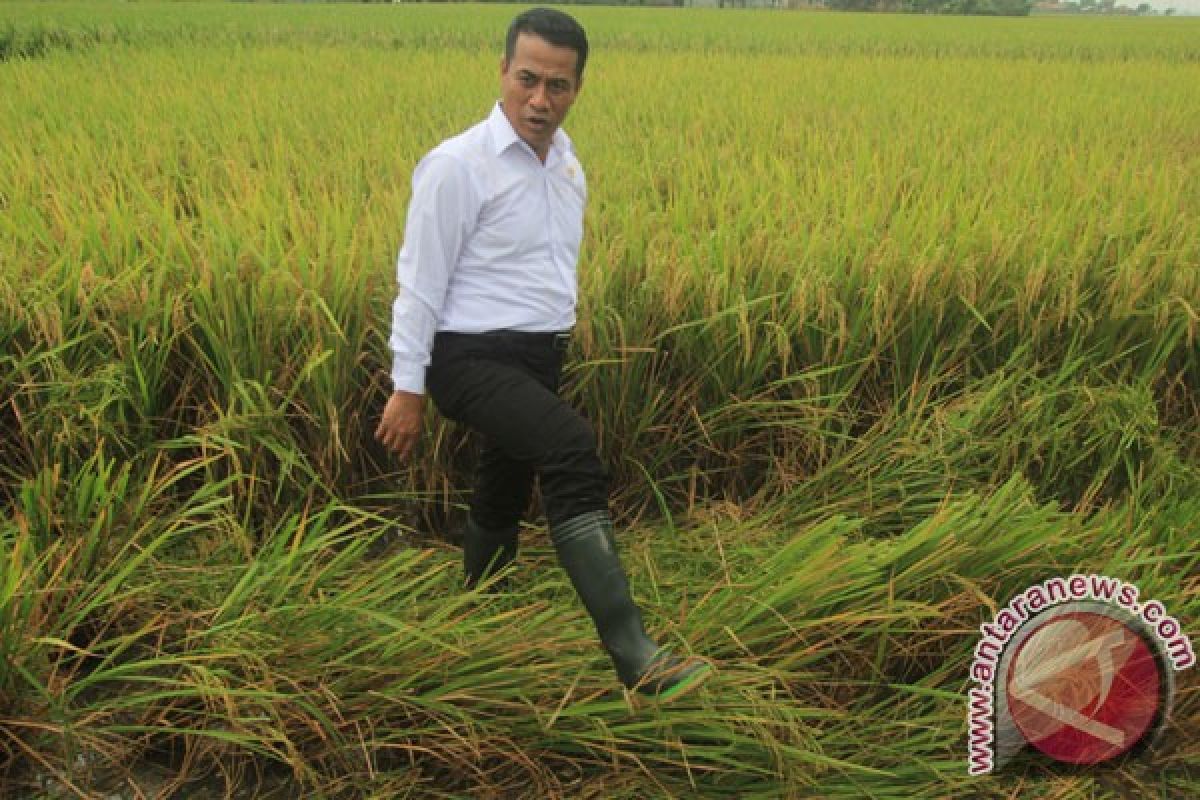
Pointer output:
x,y
883,319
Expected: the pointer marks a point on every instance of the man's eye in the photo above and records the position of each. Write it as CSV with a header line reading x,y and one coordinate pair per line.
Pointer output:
x,y
528,80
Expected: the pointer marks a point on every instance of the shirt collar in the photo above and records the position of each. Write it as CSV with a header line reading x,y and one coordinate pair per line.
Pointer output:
x,y
504,136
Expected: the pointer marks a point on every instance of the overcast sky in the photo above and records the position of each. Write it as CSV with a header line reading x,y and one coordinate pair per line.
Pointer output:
x,y
1182,6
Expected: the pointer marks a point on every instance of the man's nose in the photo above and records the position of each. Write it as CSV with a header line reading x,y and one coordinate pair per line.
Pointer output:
x,y
538,98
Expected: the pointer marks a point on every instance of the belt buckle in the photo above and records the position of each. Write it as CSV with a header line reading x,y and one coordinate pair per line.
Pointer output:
x,y
562,341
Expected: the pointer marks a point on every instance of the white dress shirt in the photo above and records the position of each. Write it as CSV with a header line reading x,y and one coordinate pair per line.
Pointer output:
x,y
491,242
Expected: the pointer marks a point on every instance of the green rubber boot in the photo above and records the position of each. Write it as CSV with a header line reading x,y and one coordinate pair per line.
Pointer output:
x,y
486,552
587,551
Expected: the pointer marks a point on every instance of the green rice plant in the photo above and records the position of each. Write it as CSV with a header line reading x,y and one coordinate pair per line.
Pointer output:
x,y
882,319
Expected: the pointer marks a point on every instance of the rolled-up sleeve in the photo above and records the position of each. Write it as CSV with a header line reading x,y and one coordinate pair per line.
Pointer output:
x,y
440,216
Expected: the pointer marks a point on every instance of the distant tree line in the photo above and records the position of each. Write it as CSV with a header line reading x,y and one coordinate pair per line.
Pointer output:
x,y
1000,8
1014,8
1006,8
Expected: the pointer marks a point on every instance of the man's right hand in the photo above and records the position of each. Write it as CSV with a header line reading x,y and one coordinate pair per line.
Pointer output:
x,y
400,426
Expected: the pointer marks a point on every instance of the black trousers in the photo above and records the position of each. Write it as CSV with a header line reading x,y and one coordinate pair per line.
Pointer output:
x,y
504,386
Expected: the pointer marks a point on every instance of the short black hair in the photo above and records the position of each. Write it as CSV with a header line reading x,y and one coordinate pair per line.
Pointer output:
x,y
557,28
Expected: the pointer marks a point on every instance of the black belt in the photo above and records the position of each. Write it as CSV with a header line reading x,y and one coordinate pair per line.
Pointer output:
x,y
555,341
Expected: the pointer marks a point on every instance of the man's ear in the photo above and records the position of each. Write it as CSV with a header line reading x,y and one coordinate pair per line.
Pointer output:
x,y
503,65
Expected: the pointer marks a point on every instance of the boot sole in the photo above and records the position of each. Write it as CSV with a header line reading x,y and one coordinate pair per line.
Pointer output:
x,y
685,686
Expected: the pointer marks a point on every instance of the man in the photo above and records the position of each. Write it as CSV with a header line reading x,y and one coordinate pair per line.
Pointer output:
x,y
487,298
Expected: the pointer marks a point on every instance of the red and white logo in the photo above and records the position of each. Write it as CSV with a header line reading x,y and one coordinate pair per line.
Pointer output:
x,y
1081,667
1084,687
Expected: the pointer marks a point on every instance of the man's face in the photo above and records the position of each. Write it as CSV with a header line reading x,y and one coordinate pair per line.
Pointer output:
x,y
537,89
